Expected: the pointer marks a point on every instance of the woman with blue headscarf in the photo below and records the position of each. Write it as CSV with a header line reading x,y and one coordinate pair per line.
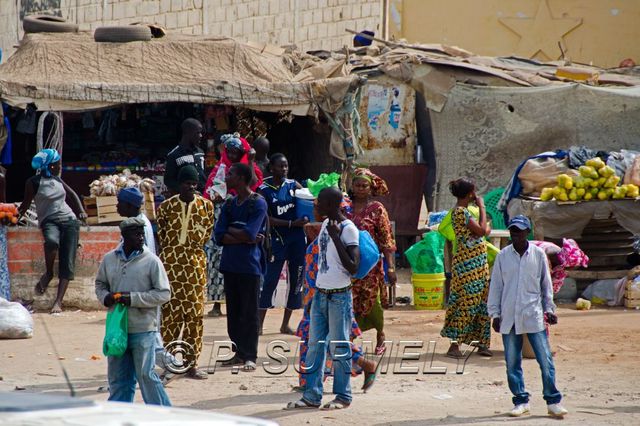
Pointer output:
x,y
58,208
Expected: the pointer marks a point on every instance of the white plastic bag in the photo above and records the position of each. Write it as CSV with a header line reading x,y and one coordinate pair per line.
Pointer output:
x,y
15,321
279,299
219,185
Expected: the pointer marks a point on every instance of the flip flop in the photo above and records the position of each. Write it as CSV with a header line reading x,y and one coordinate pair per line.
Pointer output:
x,y
380,350
249,366
336,404
370,378
301,404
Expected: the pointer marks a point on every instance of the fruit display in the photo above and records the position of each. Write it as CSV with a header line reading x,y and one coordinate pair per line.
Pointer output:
x,y
8,214
112,184
596,181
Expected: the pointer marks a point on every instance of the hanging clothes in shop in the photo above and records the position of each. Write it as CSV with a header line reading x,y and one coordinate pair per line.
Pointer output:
x,y
109,123
27,124
5,137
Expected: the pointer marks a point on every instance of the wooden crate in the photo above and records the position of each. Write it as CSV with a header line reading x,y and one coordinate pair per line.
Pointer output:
x,y
103,210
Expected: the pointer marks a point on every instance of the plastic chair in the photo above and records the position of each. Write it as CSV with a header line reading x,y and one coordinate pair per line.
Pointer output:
x,y
491,200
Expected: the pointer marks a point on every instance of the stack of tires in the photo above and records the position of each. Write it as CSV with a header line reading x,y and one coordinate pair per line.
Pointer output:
x,y
110,34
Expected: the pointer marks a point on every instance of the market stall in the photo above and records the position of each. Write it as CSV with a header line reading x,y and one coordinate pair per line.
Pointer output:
x,y
589,196
116,107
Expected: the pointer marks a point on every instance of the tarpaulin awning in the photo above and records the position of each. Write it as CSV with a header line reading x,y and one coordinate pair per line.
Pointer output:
x,y
68,71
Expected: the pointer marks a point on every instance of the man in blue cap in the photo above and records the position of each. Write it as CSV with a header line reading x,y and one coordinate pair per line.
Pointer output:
x,y
130,202
129,205
520,297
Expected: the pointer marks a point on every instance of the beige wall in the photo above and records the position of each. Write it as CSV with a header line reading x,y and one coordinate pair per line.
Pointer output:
x,y
602,32
311,24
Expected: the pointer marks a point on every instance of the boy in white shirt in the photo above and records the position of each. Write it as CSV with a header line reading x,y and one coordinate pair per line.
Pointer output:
x,y
332,305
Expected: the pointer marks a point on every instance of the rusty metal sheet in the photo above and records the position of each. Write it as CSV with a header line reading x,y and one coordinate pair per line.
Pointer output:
x,y
388,124
405,198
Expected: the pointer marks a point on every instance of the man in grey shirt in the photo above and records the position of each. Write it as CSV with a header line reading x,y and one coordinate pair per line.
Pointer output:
x,y
135,277
520,297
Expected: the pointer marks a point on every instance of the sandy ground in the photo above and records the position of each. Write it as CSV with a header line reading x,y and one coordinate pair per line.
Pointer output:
x,y
597,363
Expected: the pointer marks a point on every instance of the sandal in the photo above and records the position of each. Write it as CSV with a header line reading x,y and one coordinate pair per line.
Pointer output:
x,y
370,378
236,360
380,350
196,374
336,404
249,366
484,351
454,354
301,404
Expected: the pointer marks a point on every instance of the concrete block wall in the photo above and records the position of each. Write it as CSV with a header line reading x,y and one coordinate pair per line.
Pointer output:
x,y
310,24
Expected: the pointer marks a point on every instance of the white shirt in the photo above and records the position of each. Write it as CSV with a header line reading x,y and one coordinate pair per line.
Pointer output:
x,y
331,273
521,290
149,239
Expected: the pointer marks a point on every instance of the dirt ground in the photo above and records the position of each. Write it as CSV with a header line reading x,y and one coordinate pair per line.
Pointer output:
x,y
597,362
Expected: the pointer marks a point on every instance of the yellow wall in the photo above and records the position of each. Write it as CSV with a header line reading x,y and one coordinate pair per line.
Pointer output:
x,y
602,32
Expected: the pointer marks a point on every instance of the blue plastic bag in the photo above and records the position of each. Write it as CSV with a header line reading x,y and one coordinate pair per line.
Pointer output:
x,y
369,255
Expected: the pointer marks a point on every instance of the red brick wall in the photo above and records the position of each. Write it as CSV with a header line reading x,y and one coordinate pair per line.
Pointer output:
x,y
26,264
26,253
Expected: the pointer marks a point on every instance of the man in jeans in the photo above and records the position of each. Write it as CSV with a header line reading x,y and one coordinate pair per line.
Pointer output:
x,y
520,297
332,306
240,231
135,277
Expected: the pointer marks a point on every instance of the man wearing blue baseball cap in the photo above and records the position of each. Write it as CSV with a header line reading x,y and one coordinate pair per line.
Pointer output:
x,y
520,296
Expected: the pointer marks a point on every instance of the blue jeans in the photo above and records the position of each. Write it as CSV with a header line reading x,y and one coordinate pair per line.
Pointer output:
x,y
513,356
136,364
330,321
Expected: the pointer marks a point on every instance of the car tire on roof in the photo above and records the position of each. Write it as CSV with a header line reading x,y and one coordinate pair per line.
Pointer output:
x,y
47,24
122,34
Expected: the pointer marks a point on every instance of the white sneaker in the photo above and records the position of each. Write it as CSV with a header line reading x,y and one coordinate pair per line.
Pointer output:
x,y
519,410
556,410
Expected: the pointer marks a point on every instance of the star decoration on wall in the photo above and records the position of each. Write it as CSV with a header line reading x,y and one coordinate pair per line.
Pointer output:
x,y
541,33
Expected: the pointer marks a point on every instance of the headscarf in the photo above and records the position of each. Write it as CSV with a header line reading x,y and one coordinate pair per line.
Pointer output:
x,y
42,160
232,141
224,159
378,185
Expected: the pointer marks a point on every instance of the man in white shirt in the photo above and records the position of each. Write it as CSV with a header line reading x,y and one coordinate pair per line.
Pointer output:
x,y
332,305
520,297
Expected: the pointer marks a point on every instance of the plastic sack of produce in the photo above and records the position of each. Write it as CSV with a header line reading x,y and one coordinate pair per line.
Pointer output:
x,y
116,331
15,321
427,255
324,181
446,229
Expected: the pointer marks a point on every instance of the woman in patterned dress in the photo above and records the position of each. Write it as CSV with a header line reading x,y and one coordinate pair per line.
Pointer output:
x,y
369,293
467,320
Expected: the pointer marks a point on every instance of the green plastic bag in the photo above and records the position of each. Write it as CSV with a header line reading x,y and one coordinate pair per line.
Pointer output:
x,y
427,255
116,331
446,229
324,181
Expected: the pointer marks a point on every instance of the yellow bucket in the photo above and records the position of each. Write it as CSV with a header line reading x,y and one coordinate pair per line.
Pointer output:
x,y
428,291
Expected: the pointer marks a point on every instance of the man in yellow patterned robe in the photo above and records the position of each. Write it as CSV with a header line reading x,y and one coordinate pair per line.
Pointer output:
x,y
185,223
